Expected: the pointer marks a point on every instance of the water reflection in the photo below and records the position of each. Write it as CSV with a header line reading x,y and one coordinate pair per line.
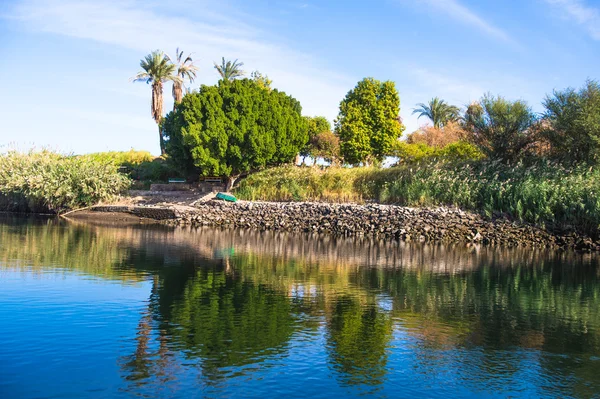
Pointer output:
x,y
226,304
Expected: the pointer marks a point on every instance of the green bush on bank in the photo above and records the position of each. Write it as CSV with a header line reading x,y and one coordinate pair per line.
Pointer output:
x,y
547,194
139,165
47,181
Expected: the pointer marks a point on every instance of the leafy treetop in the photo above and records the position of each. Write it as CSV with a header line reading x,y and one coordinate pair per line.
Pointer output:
x,y
234,128
369,123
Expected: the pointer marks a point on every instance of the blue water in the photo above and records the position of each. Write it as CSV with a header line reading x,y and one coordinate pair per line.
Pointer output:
x,y
147,311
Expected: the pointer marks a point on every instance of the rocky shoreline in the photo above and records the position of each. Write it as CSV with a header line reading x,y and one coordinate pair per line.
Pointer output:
x,y
383,221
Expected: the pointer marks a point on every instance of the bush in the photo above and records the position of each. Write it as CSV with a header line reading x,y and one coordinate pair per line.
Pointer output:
x,y
121,158
500,128
438,137
302,184
409,152
46,181
139,165
572,124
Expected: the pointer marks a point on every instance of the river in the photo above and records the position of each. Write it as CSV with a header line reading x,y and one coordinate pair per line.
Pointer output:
x,y
101,310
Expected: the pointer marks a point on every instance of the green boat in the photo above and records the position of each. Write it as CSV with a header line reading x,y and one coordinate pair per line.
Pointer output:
x,y
226,197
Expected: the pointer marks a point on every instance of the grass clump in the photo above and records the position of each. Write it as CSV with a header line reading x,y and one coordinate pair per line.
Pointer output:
x,y
302,184
141,166
45,181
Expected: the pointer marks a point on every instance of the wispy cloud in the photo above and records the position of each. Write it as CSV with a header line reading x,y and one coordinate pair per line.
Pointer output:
x,y
586,16
142,27
461,13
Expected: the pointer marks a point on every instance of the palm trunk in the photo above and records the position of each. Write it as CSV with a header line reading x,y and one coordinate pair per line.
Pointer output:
x,y
162,141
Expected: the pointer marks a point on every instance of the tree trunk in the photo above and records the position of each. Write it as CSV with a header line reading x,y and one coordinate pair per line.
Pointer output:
x,y
298,163
162,141
230,182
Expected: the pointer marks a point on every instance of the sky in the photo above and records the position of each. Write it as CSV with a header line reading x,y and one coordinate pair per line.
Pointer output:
x,y
65,74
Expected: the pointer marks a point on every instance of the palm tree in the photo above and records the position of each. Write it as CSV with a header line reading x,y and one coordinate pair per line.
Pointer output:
x,y
229,70
185,69
157,69
438,111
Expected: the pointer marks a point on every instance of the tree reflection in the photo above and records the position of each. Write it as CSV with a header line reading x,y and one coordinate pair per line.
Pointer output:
x,y
358,337
230,303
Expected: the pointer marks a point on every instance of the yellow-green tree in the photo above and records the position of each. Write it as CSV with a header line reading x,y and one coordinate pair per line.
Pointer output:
x,y
369,123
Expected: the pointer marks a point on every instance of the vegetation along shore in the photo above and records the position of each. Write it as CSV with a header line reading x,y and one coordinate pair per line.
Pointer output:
x,y
495,158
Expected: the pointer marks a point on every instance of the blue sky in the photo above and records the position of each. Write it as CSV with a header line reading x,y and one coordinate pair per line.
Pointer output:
x,y
67,63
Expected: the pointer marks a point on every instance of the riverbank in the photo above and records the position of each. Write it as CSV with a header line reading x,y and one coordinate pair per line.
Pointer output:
x,y
436,224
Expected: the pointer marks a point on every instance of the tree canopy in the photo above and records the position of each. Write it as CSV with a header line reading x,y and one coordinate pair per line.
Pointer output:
x,y
438,111
572,123
229,70
369,123
315,125
499,127
185,70
234,128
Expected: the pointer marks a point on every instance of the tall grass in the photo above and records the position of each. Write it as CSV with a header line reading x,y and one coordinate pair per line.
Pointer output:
x,y
141,166
49,182
546,194
121,158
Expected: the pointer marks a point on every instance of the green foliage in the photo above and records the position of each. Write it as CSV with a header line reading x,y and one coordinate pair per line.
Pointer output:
x,y
438,111
460,150
315,125
139,165
368,123
129,158
234,128
325,145
546,194
47,181
572,123
500,128
261,80
229,70
302,184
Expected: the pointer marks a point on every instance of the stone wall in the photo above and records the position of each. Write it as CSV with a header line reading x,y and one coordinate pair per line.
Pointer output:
x,y
387,221
445,225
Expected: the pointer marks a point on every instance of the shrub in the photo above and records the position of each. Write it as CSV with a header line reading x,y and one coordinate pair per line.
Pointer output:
x,y
121,158
438,137
410,152
46,181
500,128
325,145
573,124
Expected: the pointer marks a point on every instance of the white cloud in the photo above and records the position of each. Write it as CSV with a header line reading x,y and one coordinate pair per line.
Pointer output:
x,y
586,16
135,25
454,9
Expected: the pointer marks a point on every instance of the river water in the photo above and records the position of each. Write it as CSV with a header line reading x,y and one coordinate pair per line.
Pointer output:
x,y
99,311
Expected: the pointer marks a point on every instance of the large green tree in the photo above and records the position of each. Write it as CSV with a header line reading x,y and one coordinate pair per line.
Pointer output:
x,y
369,123
235,128
572,123
499,127
157,69
438,111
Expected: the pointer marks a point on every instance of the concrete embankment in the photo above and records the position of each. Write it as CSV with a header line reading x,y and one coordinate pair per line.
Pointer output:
x,y
384,221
